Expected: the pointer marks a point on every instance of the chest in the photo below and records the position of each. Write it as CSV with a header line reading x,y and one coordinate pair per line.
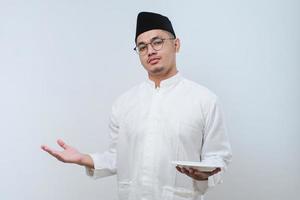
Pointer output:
x,y
170,115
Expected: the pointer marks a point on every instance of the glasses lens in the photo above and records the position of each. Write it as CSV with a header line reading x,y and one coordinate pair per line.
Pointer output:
x,y
141,49
157,44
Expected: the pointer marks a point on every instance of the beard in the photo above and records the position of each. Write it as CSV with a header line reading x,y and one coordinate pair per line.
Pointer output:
x,y
157,70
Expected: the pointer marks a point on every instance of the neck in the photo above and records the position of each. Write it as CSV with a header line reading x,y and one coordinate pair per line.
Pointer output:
x,y
160,77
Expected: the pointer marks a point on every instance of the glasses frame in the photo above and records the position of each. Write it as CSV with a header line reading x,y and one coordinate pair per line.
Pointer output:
x,y
151,43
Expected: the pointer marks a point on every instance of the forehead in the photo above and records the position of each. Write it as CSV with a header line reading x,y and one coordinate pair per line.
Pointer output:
x,y
148,35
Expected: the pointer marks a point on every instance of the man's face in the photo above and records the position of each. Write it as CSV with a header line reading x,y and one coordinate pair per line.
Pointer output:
x,y
158,62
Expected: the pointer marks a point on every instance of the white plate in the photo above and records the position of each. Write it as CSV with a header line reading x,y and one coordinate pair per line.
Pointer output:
x,y
196,165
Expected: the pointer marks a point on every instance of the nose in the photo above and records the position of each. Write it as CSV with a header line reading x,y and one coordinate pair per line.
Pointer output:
x,y
151,51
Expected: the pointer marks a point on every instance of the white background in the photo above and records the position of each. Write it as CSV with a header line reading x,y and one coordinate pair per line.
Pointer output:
x,y
63,63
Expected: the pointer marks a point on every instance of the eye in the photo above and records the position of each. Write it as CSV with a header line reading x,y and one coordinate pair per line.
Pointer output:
x,y
141,48
157,42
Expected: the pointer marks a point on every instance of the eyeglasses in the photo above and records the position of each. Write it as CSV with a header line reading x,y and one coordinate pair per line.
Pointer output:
x,y
156,44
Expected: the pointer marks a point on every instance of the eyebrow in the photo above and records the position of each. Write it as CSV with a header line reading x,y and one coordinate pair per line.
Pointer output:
x,y
155,37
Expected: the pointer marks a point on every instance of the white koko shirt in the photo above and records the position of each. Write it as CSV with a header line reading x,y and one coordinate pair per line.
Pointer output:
x,y
150,127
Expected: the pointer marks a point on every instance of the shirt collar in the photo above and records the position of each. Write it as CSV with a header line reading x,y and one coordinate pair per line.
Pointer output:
x,y
173,80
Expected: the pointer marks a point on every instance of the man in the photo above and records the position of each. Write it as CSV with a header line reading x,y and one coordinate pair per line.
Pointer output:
x,y
167,118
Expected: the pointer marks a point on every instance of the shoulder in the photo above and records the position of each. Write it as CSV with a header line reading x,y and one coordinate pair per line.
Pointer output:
x,y
127,96
198,91
201,96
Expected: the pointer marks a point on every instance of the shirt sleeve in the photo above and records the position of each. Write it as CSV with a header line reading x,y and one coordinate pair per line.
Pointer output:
x,y
105,163
216,149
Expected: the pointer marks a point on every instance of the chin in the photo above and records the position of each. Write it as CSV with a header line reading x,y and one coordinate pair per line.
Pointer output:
x,y
157,70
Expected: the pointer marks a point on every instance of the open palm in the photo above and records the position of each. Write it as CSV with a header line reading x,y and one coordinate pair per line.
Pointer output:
x,y
68,155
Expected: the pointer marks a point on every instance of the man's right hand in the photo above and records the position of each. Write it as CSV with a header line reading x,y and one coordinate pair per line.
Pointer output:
x,y
69,155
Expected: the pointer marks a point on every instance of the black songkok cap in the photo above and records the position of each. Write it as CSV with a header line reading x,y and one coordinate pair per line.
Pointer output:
x,y
147,21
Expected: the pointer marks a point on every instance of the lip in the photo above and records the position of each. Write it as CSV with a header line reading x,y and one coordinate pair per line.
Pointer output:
x,y
153,60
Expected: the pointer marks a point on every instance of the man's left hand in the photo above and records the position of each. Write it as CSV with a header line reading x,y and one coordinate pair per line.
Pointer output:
x,y
196,174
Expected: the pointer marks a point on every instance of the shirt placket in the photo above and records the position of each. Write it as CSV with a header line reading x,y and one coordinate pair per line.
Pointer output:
x,y
149,166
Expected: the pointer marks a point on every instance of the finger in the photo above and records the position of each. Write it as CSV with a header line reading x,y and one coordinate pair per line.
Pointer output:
x,y
51,151
206,174
179,169
62,144
216,170
46,148
186,171
191,171
202,174
43,147
194,174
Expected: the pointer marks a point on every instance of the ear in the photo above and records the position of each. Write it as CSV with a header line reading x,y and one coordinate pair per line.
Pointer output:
x,y
177,45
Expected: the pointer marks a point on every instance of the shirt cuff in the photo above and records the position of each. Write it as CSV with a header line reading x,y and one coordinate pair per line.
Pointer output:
x,y
203,186
200,186
100,169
